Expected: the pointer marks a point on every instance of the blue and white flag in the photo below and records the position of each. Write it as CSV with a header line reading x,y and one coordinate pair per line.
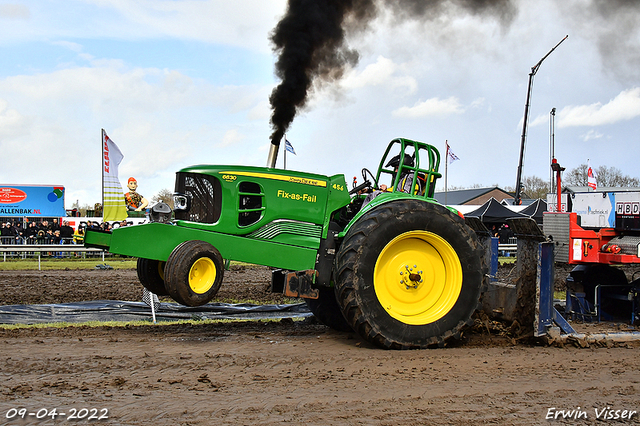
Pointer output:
x,y
289,147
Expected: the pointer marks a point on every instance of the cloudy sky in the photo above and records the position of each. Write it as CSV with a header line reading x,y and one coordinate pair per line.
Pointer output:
x,y
182,82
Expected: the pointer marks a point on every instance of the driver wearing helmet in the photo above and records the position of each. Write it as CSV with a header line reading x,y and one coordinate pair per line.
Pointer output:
x,y
405,182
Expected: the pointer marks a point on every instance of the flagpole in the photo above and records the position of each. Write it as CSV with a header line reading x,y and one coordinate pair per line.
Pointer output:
x,y
153,307
285,151
446,171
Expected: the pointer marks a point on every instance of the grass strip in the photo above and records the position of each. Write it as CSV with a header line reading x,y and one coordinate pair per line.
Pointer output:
x,y
138,323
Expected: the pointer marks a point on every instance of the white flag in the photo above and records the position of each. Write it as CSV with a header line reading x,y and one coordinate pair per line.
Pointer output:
x,y
113,207
451,157
591,177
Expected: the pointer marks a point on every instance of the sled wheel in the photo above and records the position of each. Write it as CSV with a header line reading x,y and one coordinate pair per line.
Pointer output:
x,y
326,310
193,273
151,275
409,275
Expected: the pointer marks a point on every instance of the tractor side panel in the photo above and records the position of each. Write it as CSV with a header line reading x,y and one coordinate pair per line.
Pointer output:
x,y
281,206
253,197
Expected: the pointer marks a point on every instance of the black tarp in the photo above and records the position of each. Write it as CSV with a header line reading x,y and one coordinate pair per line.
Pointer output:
x,y
116,310
535,210
493,213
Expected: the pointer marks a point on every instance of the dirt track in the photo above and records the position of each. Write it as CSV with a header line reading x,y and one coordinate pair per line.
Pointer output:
x,y
289,372
55,286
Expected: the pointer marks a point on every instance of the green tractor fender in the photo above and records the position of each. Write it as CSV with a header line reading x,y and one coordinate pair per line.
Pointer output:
x,y
387,198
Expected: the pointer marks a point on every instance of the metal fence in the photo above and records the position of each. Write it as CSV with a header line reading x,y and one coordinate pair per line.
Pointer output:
x,y
24,251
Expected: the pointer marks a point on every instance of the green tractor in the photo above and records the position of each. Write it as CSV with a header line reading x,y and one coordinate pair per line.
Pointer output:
x,y
383,259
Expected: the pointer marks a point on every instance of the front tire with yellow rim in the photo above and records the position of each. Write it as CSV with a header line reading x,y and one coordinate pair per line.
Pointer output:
x,y
193,273
151,275
409,275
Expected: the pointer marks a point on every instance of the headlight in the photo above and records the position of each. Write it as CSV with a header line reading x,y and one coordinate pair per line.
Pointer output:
x,y
160,212
181,201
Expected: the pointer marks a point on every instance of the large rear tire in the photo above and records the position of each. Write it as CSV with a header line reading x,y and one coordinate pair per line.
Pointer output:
x,y
326,310
151,275
194,272
409,275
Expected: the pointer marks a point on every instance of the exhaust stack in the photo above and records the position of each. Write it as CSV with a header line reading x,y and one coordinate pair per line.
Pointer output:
x,y
273,155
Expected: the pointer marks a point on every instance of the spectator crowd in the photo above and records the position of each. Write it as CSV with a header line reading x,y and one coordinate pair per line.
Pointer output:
x,y
45,232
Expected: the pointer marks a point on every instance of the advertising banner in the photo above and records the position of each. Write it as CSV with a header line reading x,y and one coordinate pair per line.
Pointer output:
x,y
32,200
552,203
112,195
628,211
596,210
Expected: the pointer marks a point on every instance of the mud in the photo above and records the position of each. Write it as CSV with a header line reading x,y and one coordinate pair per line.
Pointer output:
x,y
241,283
291,372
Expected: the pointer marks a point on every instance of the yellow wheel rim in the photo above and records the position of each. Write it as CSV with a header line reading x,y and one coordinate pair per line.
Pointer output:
x,y
161,270
202,275
418,277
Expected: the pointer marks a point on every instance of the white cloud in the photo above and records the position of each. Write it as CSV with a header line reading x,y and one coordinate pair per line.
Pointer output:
x,y
160,119
383,72
242,23
625,106
262,111
10,121
591,134
431,107
179,74
373,74
477,103
14,11
74,47
231,137
111,87
541,119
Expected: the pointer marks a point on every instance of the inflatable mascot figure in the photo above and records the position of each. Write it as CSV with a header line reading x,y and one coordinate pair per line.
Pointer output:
x,y
134,201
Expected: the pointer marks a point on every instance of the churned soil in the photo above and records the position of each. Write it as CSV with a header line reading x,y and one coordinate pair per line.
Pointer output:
x,y
293,372
241,283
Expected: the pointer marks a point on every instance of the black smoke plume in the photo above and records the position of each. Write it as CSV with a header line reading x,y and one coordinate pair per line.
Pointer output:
x,y
310,42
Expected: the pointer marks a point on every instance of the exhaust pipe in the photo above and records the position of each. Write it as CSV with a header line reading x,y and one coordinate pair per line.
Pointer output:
x,y
273,155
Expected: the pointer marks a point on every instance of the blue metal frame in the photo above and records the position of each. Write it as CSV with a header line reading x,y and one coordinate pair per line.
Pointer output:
x,y
546,313
577,306
494,259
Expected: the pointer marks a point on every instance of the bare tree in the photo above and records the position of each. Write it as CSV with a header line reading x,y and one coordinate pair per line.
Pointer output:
x,y
605,176
535,187
164,196
613,177
576,176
